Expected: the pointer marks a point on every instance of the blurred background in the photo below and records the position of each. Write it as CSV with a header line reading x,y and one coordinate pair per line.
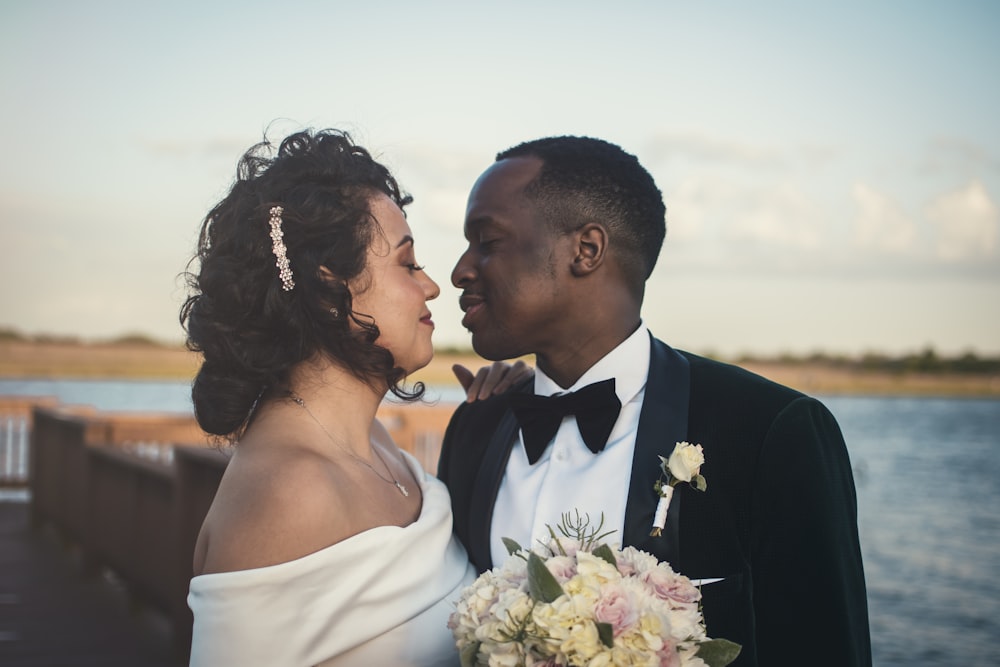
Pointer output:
x,y
831,170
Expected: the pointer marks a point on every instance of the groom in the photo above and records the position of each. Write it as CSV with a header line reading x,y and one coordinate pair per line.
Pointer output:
x,y
562,234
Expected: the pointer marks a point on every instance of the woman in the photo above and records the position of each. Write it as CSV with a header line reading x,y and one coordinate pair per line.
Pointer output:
x,y
325,543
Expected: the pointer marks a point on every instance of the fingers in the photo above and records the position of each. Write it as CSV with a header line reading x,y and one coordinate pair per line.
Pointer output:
x,y
491,377
490,380
476,388
463,375
512,375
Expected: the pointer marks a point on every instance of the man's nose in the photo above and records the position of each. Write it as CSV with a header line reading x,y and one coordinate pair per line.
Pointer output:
x,y
463,273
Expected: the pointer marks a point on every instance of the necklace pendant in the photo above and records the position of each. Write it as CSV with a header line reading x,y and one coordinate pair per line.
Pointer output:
x,y
402,489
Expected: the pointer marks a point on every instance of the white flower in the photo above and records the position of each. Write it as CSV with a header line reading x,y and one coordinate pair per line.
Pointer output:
x,y
684,465
686,461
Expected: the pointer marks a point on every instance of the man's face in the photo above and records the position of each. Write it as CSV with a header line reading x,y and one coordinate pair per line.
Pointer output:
x,y
510,275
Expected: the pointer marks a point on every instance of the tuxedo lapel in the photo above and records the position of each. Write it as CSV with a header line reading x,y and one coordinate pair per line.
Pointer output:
x,y
662,424
485,488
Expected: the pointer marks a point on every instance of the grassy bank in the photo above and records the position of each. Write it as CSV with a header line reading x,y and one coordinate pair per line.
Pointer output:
x,y
28,359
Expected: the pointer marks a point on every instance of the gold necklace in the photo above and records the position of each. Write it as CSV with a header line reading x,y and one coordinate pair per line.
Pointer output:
x,y
402,489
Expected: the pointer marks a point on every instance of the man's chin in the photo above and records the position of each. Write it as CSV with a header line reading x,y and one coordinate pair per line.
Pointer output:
x,y
492,350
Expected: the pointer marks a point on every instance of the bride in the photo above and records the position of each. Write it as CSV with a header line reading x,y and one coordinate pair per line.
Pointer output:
x,y
325,544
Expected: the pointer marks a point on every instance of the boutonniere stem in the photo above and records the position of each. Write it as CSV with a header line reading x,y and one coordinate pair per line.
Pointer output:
x,y
683,465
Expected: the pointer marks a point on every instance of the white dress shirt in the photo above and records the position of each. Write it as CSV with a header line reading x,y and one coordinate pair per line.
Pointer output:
x,y
568,476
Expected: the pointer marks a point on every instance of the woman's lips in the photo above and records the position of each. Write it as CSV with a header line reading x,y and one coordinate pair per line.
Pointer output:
x,y
426,319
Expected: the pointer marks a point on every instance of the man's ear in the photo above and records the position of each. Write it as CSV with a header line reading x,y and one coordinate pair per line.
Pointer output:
x,y
591,248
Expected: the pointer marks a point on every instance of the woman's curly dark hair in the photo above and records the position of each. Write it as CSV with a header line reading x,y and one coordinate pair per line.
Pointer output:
x,y
249,330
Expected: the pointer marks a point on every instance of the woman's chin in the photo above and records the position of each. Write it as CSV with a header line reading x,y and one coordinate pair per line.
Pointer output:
x,y
418,362
424,361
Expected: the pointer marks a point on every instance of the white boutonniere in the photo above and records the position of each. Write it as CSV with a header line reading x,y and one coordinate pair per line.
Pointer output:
x,y
684,465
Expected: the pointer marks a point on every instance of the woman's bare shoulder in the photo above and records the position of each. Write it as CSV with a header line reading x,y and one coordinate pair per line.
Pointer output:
x,y
271,508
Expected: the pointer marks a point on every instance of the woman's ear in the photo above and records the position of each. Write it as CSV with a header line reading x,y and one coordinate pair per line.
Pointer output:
x,y
327,275
591,248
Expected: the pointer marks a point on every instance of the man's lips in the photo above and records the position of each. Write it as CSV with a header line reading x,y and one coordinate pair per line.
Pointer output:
x,y
471,304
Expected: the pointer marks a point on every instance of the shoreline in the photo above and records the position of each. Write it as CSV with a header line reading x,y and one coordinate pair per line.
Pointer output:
x,y
29,360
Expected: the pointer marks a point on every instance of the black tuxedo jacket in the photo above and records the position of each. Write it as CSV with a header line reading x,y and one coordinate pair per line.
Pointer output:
x,y
778,520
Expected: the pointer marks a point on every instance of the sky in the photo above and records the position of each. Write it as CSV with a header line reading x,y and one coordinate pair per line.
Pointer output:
x,y
831,170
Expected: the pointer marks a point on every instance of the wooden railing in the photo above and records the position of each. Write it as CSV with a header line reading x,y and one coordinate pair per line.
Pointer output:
x,y
15,428
132,490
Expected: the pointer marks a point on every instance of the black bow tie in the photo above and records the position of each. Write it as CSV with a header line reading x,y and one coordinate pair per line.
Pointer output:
x,y
596,408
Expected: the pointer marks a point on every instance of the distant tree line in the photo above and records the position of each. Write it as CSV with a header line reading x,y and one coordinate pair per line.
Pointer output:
x,y
925,361
8,334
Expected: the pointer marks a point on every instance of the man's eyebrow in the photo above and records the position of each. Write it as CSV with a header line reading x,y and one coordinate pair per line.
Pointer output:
x,y
480,221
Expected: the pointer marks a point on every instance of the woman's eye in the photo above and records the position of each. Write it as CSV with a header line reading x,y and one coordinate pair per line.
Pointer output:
x,y
414,267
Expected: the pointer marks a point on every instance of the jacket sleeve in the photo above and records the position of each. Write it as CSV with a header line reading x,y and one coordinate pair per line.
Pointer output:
x,y
455,469
447,444
809,594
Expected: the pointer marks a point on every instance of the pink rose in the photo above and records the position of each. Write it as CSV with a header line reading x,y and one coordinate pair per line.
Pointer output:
x,y
616,608
563,568
563,546
669,656
668,585
626,568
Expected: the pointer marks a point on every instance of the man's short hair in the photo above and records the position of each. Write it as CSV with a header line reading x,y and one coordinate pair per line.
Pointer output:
x,y
584,180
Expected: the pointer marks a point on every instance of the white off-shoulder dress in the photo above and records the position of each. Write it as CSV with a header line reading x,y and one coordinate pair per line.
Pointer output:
x,y
381,597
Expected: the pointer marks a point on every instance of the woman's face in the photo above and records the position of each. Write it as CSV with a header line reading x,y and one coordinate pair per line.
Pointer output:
x,y
394,289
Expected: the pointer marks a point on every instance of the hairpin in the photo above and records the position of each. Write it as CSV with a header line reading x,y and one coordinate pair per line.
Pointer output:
x,y
279,249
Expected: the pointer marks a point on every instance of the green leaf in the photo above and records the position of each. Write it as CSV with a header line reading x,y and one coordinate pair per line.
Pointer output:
x,y
699,483
606,633
605,553
469,654
512,546
718,652
542,586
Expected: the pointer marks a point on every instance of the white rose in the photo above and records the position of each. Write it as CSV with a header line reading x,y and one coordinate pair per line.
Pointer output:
x,y
685,461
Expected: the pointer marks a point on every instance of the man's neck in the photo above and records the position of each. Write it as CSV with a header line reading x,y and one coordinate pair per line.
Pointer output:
x,y
569,360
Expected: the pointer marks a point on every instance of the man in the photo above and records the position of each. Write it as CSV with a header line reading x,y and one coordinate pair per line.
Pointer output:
x,y
562,234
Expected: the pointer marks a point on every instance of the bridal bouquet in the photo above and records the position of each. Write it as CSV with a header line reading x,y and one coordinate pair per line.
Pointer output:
x,y
579,601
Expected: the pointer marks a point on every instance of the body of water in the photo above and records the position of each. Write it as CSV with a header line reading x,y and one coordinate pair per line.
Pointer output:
x,y
927,472
141,395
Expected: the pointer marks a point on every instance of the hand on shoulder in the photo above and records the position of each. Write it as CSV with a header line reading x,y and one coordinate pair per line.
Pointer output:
x,y
491,380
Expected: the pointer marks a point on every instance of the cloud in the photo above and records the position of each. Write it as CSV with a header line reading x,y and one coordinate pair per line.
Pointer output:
x,y
723,210
433,165
702,148
228,148
439,178
947,155
693,204
881,224
721,152
780,215
443,208
966,223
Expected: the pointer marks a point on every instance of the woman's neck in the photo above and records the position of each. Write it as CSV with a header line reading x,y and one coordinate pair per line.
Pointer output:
x,y
334,401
